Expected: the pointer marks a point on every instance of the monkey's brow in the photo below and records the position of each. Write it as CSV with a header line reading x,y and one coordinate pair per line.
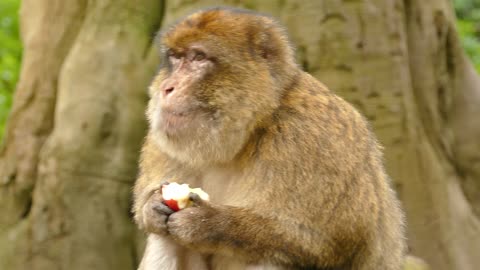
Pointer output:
x,y
169,51
197,47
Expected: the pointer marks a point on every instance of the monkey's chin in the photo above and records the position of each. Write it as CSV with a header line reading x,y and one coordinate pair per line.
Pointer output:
x,y
175,126
198,142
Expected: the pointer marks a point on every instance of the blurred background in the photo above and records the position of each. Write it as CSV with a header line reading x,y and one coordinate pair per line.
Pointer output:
x,y
73,80
10,56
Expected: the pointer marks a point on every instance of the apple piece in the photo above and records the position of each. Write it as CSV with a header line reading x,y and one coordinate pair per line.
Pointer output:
x,y
176,196
203,195
172,204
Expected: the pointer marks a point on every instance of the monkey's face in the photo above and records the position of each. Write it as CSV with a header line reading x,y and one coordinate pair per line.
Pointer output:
x,y
203,107
178,111
215,87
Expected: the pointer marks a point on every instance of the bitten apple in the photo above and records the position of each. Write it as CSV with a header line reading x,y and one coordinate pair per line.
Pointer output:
x,y
176,196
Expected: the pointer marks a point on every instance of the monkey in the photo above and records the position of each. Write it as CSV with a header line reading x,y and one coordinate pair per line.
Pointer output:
x,y
294,173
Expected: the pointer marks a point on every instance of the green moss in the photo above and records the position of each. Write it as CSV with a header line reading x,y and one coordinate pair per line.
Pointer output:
x,y
468,24
10,56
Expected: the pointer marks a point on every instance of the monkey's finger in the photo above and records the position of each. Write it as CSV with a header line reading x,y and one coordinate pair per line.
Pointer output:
x,y
163,209
158,188
164,183
195,198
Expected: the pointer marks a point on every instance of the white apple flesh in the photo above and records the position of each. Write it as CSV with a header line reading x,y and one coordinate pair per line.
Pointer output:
x,y
176,196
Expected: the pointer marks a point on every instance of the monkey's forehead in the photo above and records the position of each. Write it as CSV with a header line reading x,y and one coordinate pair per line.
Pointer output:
x,y
234,25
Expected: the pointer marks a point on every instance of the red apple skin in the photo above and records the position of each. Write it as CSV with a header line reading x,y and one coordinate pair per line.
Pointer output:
x,y
172,204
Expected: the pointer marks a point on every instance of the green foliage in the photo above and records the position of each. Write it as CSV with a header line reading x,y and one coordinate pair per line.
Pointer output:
x,y
10,55
468,23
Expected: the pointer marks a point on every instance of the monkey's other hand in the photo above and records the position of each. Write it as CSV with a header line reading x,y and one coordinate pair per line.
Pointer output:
x,y
155,214
197,226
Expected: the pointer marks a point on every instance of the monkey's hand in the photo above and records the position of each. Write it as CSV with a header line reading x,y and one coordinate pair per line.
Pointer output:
x,y
221,229
155,214
195,226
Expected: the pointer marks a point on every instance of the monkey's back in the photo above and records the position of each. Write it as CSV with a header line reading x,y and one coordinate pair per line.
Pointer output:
x,y
338,166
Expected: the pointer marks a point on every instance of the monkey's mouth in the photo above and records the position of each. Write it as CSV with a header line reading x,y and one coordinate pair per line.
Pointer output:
x,y
175,123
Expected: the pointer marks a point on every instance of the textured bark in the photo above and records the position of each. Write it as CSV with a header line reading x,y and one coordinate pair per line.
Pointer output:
x,y
69,157
444,224
48,32
413,263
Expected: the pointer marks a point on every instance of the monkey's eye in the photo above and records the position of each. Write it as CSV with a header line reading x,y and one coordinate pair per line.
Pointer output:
x,y
172,54
200,56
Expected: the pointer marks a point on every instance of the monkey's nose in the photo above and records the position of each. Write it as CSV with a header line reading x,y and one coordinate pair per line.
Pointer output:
x,y
168,90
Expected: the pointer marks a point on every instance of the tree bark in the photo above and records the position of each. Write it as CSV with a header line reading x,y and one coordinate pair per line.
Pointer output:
x,y
69,157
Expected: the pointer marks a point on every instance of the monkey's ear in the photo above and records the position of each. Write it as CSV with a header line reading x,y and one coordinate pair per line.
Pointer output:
x,y
262,44
270,41
267,49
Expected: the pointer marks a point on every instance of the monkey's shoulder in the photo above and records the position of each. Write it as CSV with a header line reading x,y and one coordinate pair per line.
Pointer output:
x,y
314,122
310,106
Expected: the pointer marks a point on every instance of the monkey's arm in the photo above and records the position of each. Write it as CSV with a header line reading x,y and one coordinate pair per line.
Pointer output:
x,y
155,170
244,232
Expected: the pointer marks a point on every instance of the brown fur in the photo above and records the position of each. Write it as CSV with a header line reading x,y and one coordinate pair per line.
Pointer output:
x,y
300,186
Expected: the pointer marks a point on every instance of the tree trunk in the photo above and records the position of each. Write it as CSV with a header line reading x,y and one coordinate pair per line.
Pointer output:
x,y
70,153
69,157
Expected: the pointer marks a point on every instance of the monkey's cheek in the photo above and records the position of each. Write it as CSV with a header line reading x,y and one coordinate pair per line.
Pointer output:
x,y
174,125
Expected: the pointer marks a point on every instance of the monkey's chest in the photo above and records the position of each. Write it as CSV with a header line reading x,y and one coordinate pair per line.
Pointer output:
x,y
224,186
